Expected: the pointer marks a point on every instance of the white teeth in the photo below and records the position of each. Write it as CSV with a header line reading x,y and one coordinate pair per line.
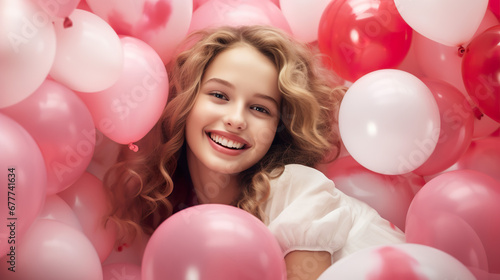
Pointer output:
x,y
226,142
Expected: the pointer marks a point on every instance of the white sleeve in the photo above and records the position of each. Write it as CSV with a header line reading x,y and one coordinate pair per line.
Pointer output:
x,y
306,212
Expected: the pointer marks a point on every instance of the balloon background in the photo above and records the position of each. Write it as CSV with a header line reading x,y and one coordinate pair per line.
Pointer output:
x,y
419,122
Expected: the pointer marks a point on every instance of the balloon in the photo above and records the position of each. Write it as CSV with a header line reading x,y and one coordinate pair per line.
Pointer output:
x,y
398,261
27,49
162,24
465,246
216,13
117,271
89,201
484,126
462,199
494,6
389,195
442,62
24,182
129,253
483,155
126,111
63,128
448,22
55,208
457,120
213,241
58,8
389,121
360,36
89,56
303,17
51,250
481,73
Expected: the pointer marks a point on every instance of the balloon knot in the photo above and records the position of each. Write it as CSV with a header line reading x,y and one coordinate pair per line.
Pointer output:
x,y
461,51
67,22
133,147
477,113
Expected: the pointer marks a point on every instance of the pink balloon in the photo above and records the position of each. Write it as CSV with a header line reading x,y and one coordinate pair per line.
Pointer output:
x,y
162,24
118,271
63,128
58,8
483,155
55,208
213,241
52,250
471,199
457,125
398,261
89,201
442,62
127,111
484,126
89,55
27,49
216,13
22,171
389,195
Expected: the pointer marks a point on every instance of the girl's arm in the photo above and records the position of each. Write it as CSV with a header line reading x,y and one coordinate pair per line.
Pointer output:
x,y
306,265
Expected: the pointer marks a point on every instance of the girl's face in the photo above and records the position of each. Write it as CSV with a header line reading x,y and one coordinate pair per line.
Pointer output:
x,y
236,113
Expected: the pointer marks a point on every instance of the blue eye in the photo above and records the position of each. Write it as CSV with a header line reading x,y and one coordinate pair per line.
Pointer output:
x,y
218,95
260,109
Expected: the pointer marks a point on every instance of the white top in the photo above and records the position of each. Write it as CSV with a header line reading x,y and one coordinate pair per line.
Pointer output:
x,y
306,212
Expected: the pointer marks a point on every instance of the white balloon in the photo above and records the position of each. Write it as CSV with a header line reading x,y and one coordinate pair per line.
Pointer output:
x,y
449,22
27,49
89,55
389,121
398,261
303,17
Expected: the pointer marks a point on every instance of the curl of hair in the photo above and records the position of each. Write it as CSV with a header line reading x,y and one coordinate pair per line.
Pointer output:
x,y
141,184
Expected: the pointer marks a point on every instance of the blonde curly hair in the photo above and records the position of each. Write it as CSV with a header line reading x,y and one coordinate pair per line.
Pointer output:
x,y
145,187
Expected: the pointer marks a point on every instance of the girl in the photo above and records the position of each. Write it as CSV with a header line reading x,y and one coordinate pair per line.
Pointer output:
x,y
251,113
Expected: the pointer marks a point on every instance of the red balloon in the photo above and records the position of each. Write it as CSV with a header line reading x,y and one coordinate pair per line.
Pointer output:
x,y
494,6
210,242
481,71
457,126
455,207
360,36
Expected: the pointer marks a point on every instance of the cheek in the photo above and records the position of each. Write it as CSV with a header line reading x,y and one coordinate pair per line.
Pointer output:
x,y
265,135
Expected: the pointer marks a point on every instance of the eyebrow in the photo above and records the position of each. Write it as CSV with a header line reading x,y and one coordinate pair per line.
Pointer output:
x,y
231,86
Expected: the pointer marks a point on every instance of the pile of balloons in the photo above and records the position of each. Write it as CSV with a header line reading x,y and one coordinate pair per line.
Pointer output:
x,y
419,123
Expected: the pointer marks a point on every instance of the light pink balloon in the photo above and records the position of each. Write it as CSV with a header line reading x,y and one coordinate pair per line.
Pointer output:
x,y
398,261
450,23
483,155
389,121
129,253
216,13
390,195
118,271
213,241
63,128
27,49
470,196
89,55
162,24
88,199
55,208
126,111
457,125
57,8
24,182
52,250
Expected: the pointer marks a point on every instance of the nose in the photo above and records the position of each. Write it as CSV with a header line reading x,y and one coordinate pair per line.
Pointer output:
x,y
235,118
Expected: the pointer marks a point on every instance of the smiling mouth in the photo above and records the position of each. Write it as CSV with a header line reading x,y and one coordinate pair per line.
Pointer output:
x,y
226,143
